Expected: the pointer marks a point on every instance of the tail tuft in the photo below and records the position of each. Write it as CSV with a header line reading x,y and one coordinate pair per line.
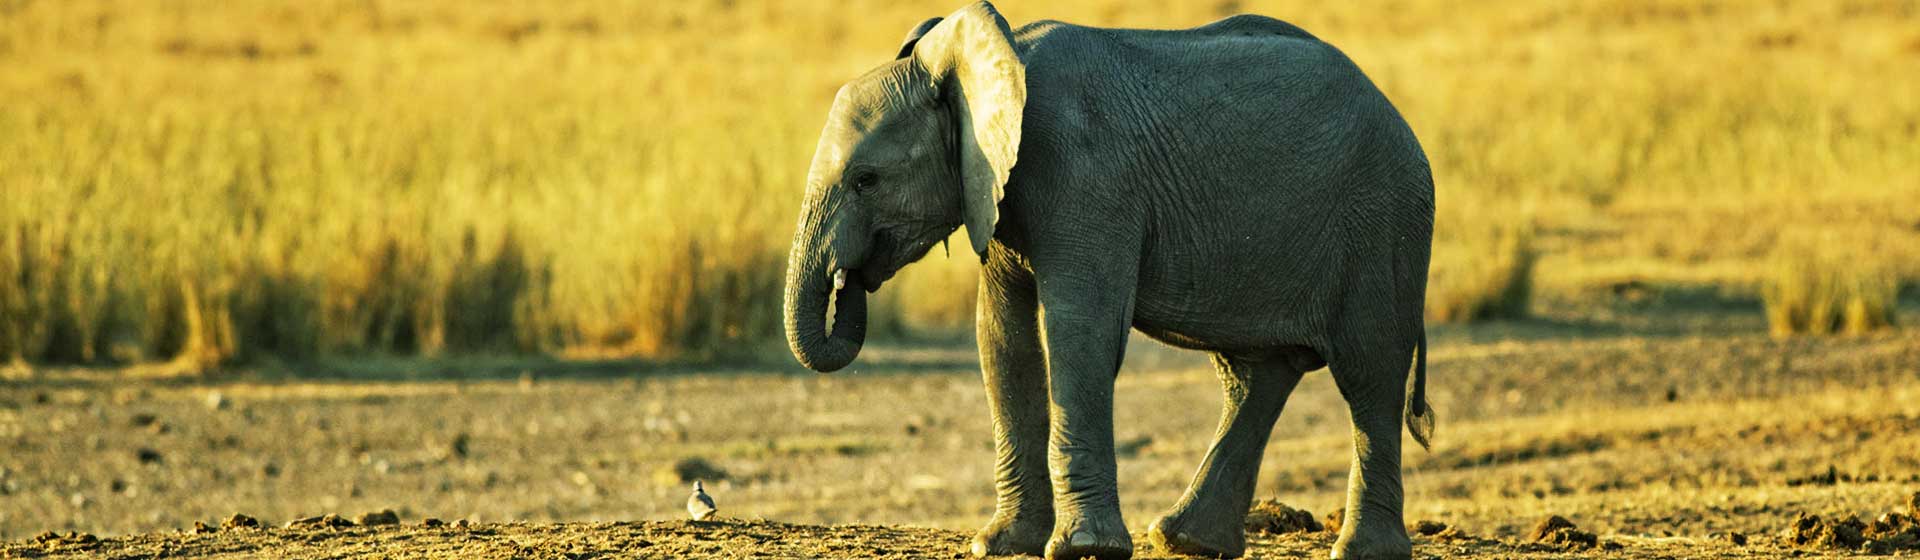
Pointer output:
x,y
1418,413
1420,424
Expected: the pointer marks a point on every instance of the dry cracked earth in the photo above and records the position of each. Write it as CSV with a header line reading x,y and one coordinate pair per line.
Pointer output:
x,y
1636,436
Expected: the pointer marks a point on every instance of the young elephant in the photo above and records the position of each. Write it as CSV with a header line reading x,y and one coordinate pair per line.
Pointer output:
x,y
1238,188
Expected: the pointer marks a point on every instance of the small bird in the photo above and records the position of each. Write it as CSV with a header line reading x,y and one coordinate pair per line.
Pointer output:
x,y
700,505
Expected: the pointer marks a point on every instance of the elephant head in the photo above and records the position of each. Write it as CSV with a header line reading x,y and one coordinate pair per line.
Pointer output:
x,y
911,150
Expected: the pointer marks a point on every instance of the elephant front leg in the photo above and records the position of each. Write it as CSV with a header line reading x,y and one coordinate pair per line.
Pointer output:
x,y
1208,520
1015,370
1085,342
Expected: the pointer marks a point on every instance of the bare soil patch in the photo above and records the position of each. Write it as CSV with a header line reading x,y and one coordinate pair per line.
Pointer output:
x,y
1676,446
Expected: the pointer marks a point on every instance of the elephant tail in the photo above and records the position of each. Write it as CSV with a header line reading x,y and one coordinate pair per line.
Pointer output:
x,y
1420,415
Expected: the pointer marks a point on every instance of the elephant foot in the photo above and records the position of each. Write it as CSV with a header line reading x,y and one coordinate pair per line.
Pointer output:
x,y
1009,535
1174,534
1097,536
1378,537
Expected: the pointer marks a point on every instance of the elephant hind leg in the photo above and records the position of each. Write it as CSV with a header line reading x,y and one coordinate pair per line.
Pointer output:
x,y
1208,519
1374,385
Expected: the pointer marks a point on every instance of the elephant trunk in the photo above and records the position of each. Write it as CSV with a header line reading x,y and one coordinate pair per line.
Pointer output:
x,y
808,285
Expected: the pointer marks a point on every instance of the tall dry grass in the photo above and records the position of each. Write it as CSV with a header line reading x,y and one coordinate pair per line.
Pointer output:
x,y
206,181
1819,283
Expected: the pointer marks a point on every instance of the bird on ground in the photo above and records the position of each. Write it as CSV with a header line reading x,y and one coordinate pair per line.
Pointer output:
x,y
700,505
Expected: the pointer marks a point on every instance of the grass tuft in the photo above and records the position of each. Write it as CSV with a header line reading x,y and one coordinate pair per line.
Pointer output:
x,y
1819,285
1481,277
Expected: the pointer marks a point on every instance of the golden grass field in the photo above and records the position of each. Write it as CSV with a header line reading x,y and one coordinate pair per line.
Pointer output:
x,y
511,263
207,181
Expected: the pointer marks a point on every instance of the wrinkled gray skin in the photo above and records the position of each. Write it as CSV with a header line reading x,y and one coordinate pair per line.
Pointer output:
x,y
1238,188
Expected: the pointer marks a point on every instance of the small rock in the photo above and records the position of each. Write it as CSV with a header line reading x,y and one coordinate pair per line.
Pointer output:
x,y
240,521
461,524
1734,538
432,522
217,401
144,419
203,529
1913,504
1275,518
79,500
147,456
382,517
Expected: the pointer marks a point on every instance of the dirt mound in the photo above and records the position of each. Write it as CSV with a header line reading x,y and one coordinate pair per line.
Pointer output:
x,y
1557,531
1275,518
1888,533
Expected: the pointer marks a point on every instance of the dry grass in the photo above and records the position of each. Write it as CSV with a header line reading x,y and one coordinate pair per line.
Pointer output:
x,y
1488,276
1820,285
213,180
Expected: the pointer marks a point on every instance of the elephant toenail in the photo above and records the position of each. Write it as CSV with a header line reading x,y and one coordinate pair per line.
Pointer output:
x,y
1082,538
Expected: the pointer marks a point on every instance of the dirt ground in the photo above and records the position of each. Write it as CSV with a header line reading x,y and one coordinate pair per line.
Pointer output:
x,y
1662,434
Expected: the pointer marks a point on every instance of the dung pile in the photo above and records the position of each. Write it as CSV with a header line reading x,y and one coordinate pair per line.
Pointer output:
x,y
1272,517
1440,531
1888,533
1560,533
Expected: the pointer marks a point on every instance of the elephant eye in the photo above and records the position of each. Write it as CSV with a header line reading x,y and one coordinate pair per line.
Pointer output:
x,y
863,181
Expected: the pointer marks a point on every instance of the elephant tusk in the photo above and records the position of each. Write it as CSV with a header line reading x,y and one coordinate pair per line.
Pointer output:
x,y
839,279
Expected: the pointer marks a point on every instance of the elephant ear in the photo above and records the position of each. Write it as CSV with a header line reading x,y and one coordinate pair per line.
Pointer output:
x,y
913,37
979,76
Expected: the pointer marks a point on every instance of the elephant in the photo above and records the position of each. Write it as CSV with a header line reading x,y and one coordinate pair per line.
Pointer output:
x,y
1239,188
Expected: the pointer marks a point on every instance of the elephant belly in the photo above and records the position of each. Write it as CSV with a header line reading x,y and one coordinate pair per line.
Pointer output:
x,y
1236,312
